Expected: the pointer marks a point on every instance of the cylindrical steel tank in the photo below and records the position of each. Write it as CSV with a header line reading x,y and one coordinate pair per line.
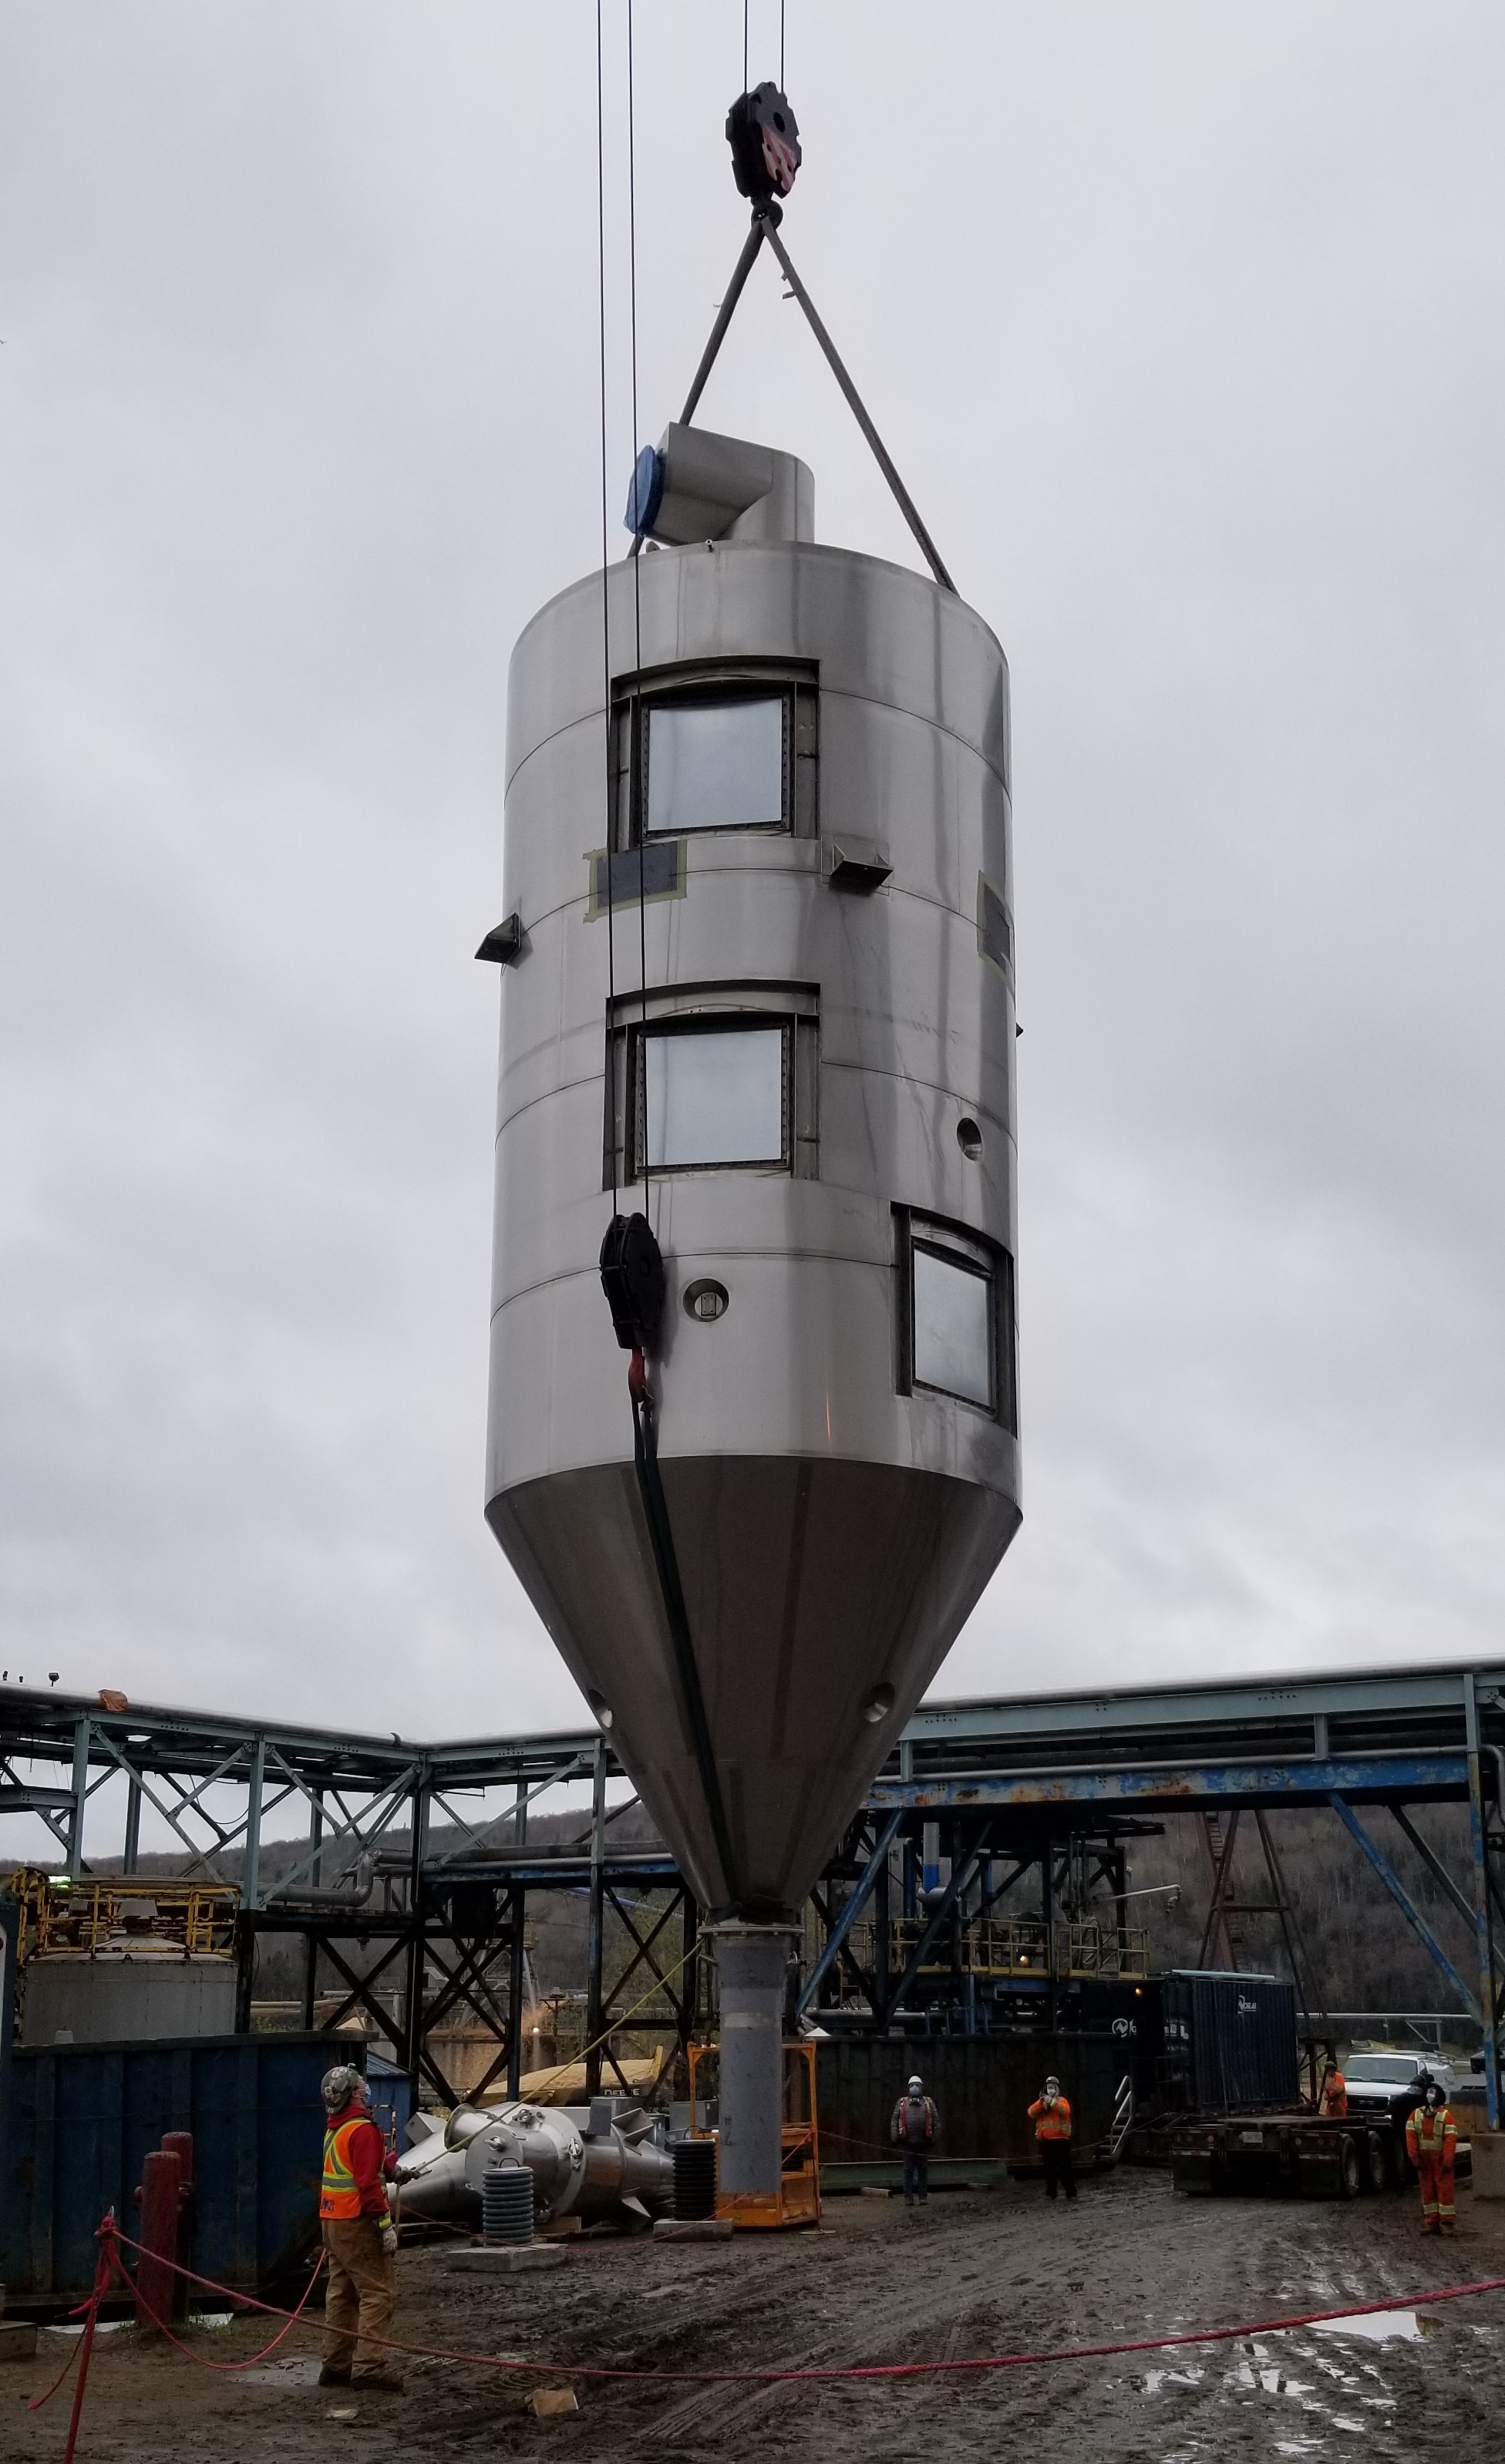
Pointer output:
x,y
797,1059
78,1997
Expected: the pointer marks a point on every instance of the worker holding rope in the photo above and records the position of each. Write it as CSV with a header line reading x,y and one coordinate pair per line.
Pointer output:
x,y
360,2238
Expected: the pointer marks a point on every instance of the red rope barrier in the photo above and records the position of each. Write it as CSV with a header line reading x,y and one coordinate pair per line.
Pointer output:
x,y
102,2278
872,2369
294,2318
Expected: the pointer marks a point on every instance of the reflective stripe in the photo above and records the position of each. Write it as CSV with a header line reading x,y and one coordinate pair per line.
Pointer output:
x,y
339,2196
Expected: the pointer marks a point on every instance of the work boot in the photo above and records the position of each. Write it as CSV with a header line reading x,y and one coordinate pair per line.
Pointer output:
x,y
331,2375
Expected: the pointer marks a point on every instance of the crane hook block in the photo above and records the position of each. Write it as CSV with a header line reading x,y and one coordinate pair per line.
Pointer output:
x,y
765,138
632,1279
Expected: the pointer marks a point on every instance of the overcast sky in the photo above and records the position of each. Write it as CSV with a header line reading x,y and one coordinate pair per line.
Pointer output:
x,y
1185,324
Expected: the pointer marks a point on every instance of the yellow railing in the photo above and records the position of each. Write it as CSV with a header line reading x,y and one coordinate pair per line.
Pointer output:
x,y
110,1912
989,1947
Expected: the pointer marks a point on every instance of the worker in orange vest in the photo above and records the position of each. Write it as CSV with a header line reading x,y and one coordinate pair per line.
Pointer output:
x,y
1431,2137
1051,2116
360,2238
1334,2098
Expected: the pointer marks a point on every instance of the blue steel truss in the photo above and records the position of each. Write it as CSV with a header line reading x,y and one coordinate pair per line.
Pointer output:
x,y
1014,1772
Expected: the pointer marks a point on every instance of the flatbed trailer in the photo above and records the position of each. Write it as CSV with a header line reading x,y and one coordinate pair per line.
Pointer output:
x,y
1293,2155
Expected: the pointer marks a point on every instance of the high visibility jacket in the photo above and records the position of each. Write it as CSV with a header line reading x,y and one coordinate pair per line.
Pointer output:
x,y
1051,2120
1334,2096
1431,2134
913,2121
355,2159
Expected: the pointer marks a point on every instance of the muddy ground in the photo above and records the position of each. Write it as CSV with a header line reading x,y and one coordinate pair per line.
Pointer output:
x,y
973,2274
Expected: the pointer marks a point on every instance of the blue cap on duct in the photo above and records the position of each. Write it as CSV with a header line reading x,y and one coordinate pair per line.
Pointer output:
x,y
646,494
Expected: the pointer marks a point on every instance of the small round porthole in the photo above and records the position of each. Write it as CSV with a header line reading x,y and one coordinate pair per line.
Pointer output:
x,y
706,1300
969,1138
878,1704
600,1708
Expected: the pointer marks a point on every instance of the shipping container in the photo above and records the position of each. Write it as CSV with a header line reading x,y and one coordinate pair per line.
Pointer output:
x,y
1227,2041
983,2087
78,2119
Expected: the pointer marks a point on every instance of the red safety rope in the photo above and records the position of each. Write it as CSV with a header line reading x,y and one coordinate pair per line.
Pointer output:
x,y
292,2317
878,2369
102,2278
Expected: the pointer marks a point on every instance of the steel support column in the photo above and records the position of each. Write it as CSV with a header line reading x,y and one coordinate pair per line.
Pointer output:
x,y
597,1920
131,1858
1483,1914
80,1798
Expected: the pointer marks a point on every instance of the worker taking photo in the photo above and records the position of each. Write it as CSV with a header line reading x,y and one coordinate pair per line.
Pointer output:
x,y
1051,2116
913,2125
1431,2140
360,2238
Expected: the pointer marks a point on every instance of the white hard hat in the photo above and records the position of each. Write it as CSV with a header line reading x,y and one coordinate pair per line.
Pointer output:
x,y
917,2081
1053,2085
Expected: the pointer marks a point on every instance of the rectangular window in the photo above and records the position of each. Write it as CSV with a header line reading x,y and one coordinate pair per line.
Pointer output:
x,y
717,1077
715,765
956,1320
719,744
710,1096
954,1343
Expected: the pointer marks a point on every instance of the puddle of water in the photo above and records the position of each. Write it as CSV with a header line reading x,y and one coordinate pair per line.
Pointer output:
x,y
1375,2327
1153,2380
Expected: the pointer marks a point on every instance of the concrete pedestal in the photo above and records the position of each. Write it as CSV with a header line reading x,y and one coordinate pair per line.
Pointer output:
x,y
752,1966
1489,2163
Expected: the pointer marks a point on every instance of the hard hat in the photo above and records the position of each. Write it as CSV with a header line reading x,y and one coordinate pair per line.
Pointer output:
x,y
338,2086
1052,2087
916,2083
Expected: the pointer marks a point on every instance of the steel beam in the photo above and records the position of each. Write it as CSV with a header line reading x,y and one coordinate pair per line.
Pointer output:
x,y
857,1902
1182,1787
1402,1899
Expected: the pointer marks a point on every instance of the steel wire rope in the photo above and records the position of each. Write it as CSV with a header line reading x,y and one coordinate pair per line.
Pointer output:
x,y
639,786
606,628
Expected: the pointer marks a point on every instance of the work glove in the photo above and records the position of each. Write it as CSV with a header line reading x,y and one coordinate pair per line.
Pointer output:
x,y
389,2240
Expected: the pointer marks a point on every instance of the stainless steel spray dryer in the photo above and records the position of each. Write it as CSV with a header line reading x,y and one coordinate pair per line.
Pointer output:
x,y
758,990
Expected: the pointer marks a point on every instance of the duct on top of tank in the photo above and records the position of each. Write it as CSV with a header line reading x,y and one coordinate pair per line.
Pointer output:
x,y
695,486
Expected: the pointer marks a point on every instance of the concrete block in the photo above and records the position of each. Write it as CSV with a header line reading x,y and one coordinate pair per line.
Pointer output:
x,y
694,2229
549,2402
1489,2163
17,2340
514,2258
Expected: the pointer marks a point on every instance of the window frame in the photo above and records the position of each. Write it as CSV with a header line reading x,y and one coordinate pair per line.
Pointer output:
x,y
959,1246
691,1009
710,684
